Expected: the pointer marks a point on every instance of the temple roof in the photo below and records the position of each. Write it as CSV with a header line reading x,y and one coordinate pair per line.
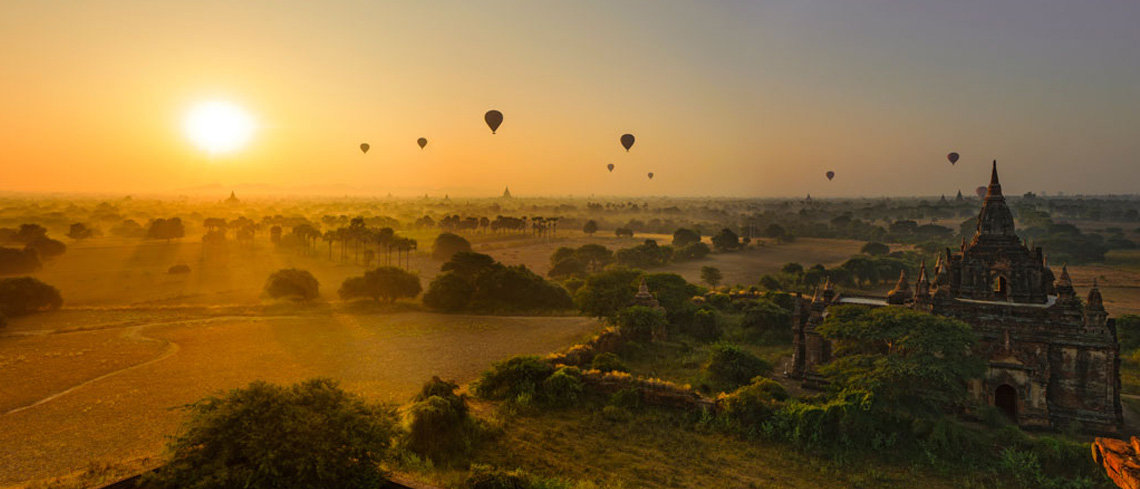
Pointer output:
x,y
995,218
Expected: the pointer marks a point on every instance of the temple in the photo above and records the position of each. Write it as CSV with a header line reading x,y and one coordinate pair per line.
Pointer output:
x,y
1052,359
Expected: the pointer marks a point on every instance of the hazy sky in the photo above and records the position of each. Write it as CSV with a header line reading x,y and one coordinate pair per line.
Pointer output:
x,y
726,98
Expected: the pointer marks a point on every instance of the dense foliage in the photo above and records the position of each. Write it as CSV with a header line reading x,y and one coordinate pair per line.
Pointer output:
x,y
292,283
311,434
388,283
24,295
440,425
448,244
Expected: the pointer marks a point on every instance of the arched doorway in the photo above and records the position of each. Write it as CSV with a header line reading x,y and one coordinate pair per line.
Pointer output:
x,y
1001,287
1005,399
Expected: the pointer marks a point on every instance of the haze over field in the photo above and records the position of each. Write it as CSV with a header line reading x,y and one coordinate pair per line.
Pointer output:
x,y
726,98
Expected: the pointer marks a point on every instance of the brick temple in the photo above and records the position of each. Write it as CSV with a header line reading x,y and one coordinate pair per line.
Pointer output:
x,y
1052,359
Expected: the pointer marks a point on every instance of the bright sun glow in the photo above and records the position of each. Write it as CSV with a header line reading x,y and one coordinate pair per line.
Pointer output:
x,y
219,127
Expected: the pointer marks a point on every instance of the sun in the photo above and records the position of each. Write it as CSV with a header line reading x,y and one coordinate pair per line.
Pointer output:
x,y
219,127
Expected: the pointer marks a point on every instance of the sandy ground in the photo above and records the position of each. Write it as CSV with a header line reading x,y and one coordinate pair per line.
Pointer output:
x,y
120,387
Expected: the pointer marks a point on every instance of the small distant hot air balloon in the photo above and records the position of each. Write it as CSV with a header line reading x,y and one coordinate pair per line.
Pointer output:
x,y
953,157
422,142
651,175
494,119
981,191
610,167
364,147
830,175
627,141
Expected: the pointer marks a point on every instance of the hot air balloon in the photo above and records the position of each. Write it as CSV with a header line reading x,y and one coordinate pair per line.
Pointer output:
x,y
610,167
494,119
651,175
422,142
981,191
627,141
830,175
953,157
364,147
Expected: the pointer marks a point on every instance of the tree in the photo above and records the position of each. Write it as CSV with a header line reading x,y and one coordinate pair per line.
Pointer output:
x,y
623,232
594,256
25,295
468,264
640,323
388,283
516,288
448,244
792,269
685,237
911,362
80,231
292,283
1128,331
440,426
265,436
726,240
731,365
692,251
14,261
449,292
607,292
590,228
30,232
645,255
46,247
875,248
166,229
569,267
711,276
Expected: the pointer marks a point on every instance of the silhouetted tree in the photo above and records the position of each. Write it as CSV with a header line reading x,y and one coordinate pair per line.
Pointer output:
x,y
24,295
711,276
15,261
46,247
80,231
388,283
447,244
292,283
726,240
685,237
590,228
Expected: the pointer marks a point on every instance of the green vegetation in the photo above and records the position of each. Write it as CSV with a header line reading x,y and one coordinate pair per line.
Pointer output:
x,y
476,282
311,434
25,295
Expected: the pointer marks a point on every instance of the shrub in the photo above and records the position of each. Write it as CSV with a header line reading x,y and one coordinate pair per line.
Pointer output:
x,y
694,251
292,283
704,326
448,244
516,288
311,434
178,269
729,364
875,248
563,387
448,292
767,322
606,293
440,425
749,406
726,240
608,362
47,248
640,323
388,283
25,295
488,477
513,377
628,398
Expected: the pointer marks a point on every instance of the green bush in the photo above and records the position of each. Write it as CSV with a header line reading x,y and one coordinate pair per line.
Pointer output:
x,y
311,434
731,365
608,362
563,387
448,292
748,407
514,377
440,426
704,326
767,322
388,283
639,323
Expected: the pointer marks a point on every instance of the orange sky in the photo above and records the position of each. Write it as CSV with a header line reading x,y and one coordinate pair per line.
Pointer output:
x,y
725,98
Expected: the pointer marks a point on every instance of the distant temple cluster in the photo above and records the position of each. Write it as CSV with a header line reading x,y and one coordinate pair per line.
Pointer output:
x,y
1052,359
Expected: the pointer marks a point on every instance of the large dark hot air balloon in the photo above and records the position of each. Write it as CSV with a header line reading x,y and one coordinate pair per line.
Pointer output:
x,y
422,142
651,175
627,141
610,167
981,191
830,175
953,157
494,119
364,147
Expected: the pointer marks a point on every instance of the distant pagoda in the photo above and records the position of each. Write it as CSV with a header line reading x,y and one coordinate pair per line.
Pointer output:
x,y
506,192
233,198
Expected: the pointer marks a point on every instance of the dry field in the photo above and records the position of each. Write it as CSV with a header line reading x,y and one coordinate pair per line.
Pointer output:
x,y
1118,279
747,266
77,397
